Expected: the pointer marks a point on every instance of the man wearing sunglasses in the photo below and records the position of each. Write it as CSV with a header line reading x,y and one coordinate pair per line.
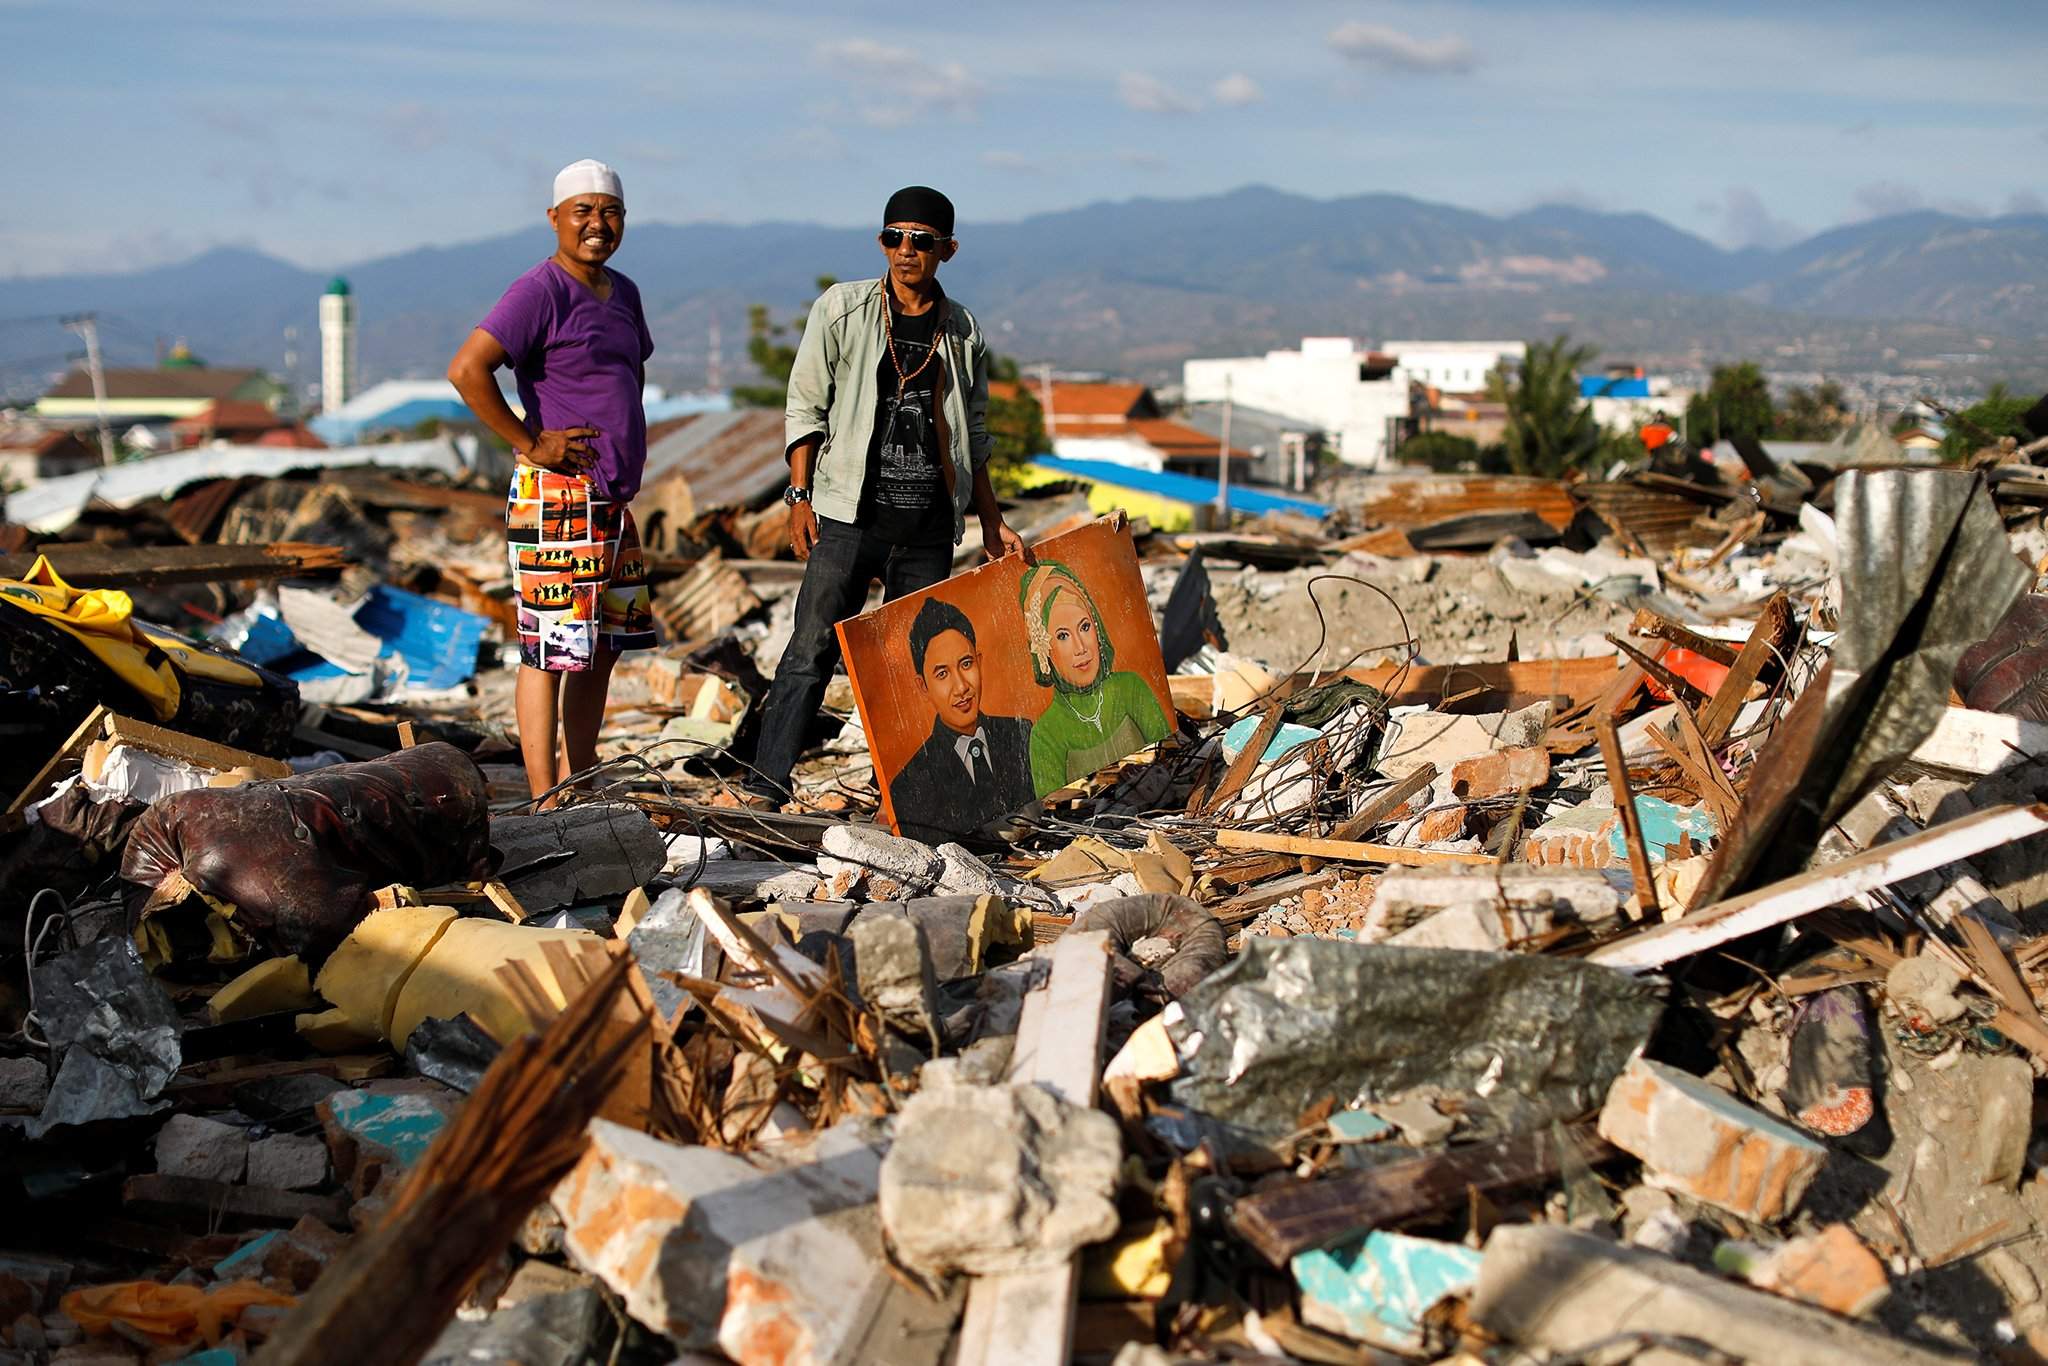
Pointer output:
x,y
888,447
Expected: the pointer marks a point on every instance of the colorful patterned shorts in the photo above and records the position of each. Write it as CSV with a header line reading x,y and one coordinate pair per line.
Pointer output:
x,y
577,565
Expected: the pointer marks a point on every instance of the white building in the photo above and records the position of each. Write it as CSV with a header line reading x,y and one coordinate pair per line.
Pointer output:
x,y
1456,367
1625,401
1357,396
338,374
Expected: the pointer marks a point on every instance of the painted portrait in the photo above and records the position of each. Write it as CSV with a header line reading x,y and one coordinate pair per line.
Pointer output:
x,y
987,693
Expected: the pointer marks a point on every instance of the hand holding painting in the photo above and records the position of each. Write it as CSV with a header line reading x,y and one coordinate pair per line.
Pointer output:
x,y
1097,715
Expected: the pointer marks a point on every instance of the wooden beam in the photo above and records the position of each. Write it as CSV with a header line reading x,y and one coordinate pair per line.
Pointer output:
x,y
1247,761
1026,1318
1817,888
1720,713
1346,851
1384,804
1305,1215
66,753
1631,820
1581,680
150,566
174,744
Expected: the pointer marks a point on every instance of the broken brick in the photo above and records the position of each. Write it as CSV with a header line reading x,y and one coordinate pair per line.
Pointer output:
x,y
1700,1141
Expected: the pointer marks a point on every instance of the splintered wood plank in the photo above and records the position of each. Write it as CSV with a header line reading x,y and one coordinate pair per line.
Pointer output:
x,y
1818,888
1720,713
66,752
1346,851
1306,1215
1384,804
1026,1318
1631,820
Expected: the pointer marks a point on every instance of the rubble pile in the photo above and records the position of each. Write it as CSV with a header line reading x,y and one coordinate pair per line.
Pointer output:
x,y
1568,922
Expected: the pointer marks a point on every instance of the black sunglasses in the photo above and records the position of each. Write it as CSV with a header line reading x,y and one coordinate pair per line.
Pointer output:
x,y
892,238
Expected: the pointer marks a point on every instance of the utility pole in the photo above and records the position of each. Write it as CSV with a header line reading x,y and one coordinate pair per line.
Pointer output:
x,y
87,326
1223,461
1045,393
714,367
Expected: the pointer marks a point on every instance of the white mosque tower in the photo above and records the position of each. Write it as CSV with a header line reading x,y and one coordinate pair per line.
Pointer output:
x,y
337,345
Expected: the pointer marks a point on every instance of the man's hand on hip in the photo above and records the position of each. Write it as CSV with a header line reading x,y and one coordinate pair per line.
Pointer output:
x,y
803,529
998,540
566,452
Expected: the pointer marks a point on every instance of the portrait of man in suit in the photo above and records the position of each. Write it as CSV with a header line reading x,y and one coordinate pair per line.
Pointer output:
x,y
974,767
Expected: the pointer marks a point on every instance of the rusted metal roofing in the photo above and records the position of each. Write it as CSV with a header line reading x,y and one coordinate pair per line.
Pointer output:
x,y
728,459
1411,502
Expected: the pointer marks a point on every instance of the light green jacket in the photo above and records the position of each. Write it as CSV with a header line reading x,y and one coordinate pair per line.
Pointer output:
x,y
832,391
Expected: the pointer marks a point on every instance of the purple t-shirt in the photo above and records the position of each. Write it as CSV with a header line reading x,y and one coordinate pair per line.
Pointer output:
x,y
578,362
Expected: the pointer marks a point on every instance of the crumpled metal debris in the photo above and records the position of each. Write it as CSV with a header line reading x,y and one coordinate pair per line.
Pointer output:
x,y
117,1028
1523,1039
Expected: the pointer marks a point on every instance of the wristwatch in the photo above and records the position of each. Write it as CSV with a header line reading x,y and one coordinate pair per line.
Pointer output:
x,y
794,495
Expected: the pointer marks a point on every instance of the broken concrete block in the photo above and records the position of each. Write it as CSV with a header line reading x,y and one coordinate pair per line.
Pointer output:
x,y
1832,1269
302,1253
966,934
865,851
188,1145
1377,1290
987,1179
1701,1141
1541,1285
1577,837
1421,736
272,985
778,1265
24,1082
559,1329
1457,908
536,1278
1502,773
613,848
1441,825
383,1127
2003,1122
287,1162
893,964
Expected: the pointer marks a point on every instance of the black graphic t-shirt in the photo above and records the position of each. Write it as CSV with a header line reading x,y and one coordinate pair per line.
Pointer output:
x,y
903,500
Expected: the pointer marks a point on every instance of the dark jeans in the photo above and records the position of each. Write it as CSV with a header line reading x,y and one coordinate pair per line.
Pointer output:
x,y
843,563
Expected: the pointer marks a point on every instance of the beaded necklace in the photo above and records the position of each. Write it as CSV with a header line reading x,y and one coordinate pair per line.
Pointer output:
x,y
889,331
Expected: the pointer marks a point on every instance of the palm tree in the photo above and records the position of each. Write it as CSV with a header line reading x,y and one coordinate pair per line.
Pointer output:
x,y
1550,429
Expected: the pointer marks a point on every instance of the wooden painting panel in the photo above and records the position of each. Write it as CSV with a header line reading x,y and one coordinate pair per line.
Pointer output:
x,y
989,691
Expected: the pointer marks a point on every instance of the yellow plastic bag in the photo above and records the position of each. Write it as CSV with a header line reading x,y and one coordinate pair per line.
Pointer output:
x,y
168,1315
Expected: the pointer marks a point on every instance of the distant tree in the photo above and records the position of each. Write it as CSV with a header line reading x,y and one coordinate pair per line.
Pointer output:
x,y
1550,429
1446,453
1016,427
1737,404
772,348
1981,424
1817,414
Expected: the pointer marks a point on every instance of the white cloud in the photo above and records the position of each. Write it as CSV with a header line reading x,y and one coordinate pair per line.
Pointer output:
x,y
1883,198
896,87
1150,95
1745,222
1014,161
1237,90
1392,50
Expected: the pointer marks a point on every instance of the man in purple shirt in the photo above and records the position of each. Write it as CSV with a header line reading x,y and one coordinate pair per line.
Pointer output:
x,y
576,339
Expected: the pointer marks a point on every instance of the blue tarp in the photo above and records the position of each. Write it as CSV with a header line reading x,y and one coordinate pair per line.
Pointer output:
x,y
1601,386
437,641
1182,488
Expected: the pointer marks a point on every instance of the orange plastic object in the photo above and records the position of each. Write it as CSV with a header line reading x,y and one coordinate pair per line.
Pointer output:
x,y
168,1315
1696,669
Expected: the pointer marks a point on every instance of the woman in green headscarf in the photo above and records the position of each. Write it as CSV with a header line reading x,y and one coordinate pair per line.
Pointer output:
x,y
1096,715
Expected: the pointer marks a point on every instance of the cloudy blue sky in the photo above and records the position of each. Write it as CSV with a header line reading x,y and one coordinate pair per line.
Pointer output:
x,y
143,131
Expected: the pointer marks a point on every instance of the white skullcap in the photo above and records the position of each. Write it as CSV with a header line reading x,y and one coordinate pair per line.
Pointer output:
x,y
587,177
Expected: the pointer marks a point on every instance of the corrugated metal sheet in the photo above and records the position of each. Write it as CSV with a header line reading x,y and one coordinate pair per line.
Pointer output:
x,y
731,458
54,504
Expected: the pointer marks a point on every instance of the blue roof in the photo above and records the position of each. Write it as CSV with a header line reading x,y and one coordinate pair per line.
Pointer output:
x,y
1601,386
1182,488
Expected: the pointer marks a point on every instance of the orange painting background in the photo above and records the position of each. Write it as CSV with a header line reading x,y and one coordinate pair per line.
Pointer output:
x,y
893,707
